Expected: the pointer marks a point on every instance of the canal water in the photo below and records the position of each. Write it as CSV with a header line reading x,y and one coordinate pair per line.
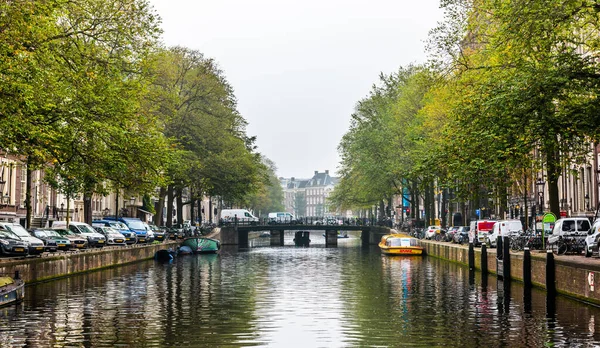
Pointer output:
x,y
294,297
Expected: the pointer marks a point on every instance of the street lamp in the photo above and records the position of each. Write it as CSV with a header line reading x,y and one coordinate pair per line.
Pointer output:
x,y
62,211
3,201
132,201
587,202
541,183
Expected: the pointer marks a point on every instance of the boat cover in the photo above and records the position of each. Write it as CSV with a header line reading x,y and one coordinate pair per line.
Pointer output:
x,y
6,281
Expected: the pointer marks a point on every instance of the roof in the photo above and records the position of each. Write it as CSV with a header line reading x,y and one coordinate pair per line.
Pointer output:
x,y
320,180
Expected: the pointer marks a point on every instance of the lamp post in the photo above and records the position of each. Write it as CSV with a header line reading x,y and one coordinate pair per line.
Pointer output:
x,y
540,183
587,202
62,212
2,201
132,201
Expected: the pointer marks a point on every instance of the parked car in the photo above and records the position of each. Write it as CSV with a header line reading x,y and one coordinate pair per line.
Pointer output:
x,y
11,245
432,231
479,230
176,233
574,227
503,228
592,239
36,246
113,237
130,236
462,235
449,236
94,238
283,218
134,224
150,232
52,239
77,241
160,233
243,216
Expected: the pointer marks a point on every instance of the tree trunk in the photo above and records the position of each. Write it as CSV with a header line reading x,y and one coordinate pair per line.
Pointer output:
x,y
192,205
28,195
160,205
444,211
87,208
179,206
553,173
200,215
426,204
170,206
526,218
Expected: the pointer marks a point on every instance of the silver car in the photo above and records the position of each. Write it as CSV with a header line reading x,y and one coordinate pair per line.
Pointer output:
x,y
36,245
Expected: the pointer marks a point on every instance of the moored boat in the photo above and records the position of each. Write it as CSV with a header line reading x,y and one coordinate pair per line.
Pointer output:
x,y
202,245
12,289
400,244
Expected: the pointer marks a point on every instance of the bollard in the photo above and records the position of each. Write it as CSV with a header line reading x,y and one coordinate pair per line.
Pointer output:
x,y
550,275
527,268
499,248
471,257
484,265
506,259
17,276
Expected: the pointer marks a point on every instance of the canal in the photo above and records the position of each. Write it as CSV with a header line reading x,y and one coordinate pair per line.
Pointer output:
x,y
294,297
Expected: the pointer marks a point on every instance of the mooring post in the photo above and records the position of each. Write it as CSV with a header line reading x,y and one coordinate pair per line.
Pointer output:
x,y
506,259
527,268
471,257
550,274
484,260
499,248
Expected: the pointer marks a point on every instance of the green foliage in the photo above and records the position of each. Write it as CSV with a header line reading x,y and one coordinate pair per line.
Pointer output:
x,y
88,94
269,195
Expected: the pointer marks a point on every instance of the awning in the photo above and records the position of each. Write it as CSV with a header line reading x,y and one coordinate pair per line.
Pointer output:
x,y
145,211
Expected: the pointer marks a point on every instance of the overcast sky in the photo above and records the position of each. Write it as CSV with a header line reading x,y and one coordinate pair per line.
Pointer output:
x,y
298,67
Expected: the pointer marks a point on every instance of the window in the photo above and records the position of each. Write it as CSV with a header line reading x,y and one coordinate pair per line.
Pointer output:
x,y
568,226
583,225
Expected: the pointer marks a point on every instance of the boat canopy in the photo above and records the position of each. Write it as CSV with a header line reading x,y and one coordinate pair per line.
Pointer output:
x,y
6,281
401,242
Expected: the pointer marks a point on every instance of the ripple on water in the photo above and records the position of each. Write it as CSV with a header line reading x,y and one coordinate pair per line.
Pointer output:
x,y
288,296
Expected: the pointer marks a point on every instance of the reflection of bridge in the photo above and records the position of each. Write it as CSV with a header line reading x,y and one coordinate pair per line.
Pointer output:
x,y
238,235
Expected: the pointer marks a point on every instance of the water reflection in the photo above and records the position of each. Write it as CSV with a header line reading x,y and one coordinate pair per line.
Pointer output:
x,y
289,296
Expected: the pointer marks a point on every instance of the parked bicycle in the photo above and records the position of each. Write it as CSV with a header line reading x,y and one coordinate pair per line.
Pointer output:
x,y
566,245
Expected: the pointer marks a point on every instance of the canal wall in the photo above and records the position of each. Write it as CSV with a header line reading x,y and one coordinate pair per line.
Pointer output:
x,y
38,269
575,275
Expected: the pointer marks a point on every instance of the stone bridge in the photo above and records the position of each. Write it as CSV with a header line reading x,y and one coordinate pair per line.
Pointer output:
x,y
238,235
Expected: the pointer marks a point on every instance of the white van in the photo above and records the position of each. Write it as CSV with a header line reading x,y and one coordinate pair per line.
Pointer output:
x,y
281,218
570,227
592,239
242,215
479,231
94,238
503,228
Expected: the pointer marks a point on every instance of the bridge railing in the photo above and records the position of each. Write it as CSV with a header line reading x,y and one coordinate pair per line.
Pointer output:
x,y
309,221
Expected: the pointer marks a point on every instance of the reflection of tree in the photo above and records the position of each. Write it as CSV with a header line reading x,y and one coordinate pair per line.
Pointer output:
x,y
300,204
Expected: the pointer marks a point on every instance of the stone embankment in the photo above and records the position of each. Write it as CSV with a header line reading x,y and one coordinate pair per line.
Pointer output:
x,y
63,264
574,275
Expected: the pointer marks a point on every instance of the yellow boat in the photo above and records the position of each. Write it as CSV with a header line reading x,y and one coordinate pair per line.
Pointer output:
x,y
400,244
